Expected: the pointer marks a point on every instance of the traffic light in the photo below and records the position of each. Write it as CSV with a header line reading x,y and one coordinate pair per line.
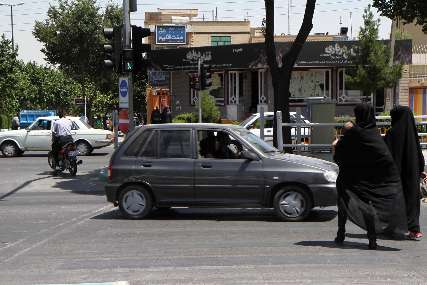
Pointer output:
x,y
194,81
205,77
113,48
139,50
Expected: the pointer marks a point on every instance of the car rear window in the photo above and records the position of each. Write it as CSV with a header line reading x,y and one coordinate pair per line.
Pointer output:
x,y
175,144
143,145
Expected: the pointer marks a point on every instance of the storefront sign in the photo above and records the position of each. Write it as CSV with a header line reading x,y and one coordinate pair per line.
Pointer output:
x,y
171,35
253,56
159,78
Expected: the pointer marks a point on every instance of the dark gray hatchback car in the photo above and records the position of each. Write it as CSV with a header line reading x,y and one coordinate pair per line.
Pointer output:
x,y
212,165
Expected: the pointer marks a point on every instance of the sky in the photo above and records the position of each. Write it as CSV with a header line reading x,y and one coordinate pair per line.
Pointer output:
x,y
329,16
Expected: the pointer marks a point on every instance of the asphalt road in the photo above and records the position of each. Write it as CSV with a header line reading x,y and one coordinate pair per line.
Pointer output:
x,y
61,230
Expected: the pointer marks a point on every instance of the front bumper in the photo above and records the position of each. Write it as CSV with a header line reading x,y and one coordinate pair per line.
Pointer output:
x,y
324,195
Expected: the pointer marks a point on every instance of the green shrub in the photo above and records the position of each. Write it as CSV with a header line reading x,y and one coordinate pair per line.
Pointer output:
x,y
5,122
210,112
185,118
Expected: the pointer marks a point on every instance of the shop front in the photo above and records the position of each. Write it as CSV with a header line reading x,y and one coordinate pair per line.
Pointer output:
x,y
241,81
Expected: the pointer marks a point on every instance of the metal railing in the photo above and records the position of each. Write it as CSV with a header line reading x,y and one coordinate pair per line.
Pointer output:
x,y
383,126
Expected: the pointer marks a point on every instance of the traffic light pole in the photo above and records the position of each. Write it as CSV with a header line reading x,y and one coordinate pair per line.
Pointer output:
x,y
127,45
200,91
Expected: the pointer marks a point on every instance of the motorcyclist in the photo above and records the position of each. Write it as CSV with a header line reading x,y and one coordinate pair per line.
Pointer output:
x,y
61,134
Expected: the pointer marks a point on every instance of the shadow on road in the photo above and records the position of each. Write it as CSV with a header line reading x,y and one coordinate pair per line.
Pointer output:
x,y
346,245
219,214
23,185
379,236
90,183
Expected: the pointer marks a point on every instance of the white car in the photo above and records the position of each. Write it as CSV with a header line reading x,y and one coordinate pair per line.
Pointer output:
x,y
38,136
252,123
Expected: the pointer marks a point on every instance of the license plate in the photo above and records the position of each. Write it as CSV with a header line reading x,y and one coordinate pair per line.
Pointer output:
x,y
73,153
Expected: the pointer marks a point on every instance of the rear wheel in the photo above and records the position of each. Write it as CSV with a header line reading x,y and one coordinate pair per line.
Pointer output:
x,y
10,149
135,202
292,203
73,168
83,148
51,160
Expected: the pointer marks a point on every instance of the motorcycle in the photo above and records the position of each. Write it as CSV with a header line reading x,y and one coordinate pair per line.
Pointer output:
x,y
67,159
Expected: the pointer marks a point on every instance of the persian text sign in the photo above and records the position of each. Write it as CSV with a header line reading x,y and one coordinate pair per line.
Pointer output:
x,y
171,35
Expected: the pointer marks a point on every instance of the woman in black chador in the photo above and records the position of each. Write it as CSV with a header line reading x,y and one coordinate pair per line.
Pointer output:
x,y
368,184
402,140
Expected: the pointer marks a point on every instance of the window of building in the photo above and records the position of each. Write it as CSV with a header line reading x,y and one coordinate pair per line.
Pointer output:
x,y
220,40
216,90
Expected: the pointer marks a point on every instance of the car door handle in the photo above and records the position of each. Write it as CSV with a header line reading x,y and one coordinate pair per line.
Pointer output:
x,y
73,133
146,164
206,165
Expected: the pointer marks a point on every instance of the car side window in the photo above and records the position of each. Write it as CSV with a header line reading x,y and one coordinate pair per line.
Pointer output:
x,y
268,122
74,126
139,142
218,145
175,144
42,125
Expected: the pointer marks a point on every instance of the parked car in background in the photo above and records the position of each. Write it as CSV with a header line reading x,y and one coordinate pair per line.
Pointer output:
x,y
214,165
252,123
38,136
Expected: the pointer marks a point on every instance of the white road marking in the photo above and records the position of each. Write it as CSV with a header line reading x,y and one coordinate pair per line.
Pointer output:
x,y
72,223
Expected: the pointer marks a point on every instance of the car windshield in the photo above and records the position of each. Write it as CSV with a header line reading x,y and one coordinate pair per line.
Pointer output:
x,y
255,141
247,120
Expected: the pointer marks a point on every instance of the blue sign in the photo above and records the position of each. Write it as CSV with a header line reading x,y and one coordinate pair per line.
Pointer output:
x,y
123,88
169,34
159,78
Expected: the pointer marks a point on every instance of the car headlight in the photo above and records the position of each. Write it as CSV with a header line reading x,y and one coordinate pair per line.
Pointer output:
x,y
109,136
330,176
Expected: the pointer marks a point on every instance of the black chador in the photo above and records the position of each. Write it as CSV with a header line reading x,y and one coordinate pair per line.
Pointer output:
x,y
368,184
402,140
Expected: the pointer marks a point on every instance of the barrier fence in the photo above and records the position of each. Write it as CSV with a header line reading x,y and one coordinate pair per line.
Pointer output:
x,y
302,132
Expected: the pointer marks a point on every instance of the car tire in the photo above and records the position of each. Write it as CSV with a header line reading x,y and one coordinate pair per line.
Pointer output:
x,y
83,148
10,149
135,202
292,203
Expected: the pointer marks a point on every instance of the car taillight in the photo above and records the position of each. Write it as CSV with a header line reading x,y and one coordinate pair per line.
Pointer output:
x,y
110,172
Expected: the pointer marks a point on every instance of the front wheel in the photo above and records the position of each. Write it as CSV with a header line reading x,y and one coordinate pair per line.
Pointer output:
x,y
135,202
73,168
83,148
292,203
9,149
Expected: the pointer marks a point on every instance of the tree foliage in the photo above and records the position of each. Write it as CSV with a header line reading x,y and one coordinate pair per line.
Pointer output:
x,y
372,71
408,10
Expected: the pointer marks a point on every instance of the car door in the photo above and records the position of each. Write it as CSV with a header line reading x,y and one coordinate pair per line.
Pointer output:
x,y
171,172
226,181
39,136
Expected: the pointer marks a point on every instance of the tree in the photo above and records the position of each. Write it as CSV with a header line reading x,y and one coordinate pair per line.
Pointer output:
x,y
73,40
372,71
408,10
281,71
9,77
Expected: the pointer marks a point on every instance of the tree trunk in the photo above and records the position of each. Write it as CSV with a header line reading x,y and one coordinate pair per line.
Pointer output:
x,y
281,76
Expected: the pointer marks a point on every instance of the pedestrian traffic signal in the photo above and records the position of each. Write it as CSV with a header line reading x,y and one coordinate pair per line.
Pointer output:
x,y
205,77
140,51
113,48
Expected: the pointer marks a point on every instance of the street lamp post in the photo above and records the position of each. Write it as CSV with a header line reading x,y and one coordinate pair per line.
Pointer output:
x,y
11,18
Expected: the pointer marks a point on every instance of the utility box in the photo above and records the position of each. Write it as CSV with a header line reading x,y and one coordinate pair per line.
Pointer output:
x,y
322,112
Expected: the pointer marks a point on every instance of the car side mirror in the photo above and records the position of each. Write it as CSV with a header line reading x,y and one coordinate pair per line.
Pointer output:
x,y
249,155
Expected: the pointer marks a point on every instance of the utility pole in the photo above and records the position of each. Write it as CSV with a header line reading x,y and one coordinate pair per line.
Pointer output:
x,y
200,91
128,74
11,19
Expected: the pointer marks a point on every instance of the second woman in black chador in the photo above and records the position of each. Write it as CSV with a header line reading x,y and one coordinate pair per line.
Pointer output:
x,y
368,184
402,140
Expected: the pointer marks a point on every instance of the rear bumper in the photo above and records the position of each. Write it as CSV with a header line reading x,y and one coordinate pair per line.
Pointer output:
x,y
111,192
324,195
